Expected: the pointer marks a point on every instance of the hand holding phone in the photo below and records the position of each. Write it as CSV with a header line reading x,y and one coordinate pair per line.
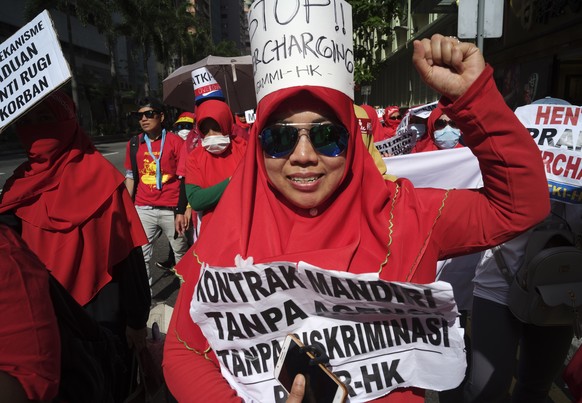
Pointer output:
x,y
297,392
321,385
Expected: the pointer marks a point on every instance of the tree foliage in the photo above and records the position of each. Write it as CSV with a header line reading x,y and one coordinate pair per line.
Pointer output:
x,y
372,33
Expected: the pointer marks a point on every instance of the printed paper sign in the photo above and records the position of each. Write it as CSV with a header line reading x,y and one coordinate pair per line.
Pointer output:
x,y
557,130
378,335
32,65
301,43
397,145
406,135
250,115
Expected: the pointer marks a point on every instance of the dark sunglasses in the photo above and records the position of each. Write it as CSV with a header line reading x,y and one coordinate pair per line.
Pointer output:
x,y
441,124
395,117
183,126
279,140
147,114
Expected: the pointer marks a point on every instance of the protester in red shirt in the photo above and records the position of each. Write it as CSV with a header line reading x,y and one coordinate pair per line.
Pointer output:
x,y
158,188
185,127
300,195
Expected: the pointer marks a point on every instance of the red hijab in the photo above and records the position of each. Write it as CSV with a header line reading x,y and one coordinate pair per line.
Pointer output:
x,y
426,142
350,232
76,214
206,169
241,124
390,125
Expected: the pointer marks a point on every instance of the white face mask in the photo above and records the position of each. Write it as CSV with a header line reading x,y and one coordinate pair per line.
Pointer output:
x,y
215,144
183,133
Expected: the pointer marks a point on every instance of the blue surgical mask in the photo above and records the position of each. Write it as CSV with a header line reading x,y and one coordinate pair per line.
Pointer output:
x,y
447,137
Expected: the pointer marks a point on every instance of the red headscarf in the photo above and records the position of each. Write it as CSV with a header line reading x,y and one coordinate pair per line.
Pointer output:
x,y
350,232
390,125
206,169
240,123
76,213
217,110
426,142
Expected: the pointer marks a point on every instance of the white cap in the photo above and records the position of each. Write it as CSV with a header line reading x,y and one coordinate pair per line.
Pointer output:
x,y
307,44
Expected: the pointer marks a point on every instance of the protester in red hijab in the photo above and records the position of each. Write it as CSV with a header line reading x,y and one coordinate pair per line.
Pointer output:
x,y
241,126
391,119
78,217
209,167
318,199
442,133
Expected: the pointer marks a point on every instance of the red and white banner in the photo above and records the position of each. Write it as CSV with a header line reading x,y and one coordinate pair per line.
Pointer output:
x,y
557,130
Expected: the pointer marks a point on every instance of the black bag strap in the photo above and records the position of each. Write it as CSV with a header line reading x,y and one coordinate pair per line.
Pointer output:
x,y
501,264
133,146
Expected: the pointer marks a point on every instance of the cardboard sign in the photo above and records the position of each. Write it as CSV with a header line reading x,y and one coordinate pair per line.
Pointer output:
x,y
377,334
295,43
32,65
557,130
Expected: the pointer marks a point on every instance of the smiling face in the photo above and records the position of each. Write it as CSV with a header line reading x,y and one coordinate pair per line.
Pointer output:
x,y
305,177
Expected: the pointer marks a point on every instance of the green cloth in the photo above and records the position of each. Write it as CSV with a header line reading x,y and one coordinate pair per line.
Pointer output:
x,y
202,199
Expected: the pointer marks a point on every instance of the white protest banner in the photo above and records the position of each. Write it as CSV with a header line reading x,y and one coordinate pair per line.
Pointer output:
x,y
406,133
557,130
301,42
32,65
455,168
378,335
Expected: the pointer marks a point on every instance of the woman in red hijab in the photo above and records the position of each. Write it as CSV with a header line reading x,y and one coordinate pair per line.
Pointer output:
x,y
442,133
209,167
78,218
307,191
241,126
391,120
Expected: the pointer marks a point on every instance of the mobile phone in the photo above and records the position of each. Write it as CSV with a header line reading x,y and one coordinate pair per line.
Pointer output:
x,y
321,385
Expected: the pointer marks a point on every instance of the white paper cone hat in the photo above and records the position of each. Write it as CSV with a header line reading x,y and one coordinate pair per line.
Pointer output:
x,y
205,86
295,43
